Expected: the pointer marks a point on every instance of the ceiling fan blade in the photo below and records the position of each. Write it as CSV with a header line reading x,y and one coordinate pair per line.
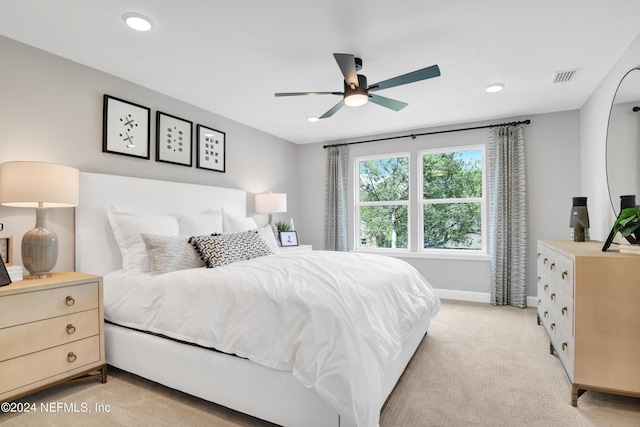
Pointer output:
x,y
415,76
387,102
332,111
347,64
307,93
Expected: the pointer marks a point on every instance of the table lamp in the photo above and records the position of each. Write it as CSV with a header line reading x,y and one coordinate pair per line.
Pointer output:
x,y
271,203
41,186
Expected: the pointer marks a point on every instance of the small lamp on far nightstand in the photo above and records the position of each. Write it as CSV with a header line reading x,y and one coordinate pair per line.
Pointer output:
x,y
40,186
271,203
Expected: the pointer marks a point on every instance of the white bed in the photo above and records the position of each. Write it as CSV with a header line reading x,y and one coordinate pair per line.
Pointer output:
x,y
238,383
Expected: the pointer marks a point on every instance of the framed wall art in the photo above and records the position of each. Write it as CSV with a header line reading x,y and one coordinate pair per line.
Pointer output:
x,y
211,149
173,140
125,128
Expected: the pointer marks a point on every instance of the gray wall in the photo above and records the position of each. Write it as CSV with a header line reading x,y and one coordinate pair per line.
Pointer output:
x,y
594,117
553,168
51,110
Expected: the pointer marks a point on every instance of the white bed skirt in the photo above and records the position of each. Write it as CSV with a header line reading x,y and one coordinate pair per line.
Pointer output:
x,y
236,383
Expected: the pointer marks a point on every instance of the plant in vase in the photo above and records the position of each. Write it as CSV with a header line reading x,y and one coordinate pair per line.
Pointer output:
x,y
628,225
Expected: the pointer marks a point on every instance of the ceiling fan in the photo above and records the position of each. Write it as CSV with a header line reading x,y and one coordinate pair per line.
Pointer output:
x,y
356,92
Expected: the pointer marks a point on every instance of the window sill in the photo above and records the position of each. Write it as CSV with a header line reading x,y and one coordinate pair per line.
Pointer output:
x,y
429,255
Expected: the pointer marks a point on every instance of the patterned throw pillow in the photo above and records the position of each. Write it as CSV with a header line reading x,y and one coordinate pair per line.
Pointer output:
x,y
224,249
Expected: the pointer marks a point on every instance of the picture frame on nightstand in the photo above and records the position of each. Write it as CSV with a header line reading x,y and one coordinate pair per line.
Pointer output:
x,y
6,249
288,238
4,275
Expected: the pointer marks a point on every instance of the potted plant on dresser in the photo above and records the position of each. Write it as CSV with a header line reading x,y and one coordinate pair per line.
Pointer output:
x,y
628,225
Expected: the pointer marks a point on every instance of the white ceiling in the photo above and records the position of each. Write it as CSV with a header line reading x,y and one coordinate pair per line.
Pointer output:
x,y
230,57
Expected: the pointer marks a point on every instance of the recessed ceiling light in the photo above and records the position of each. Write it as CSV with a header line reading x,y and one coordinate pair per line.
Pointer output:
x,y
312,119
495,87
137,21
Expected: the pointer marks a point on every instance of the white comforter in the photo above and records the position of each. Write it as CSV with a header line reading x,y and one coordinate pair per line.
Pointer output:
x,y
335,320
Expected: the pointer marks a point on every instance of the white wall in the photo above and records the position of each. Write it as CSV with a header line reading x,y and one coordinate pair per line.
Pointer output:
x,y
553,168
51,110
594,117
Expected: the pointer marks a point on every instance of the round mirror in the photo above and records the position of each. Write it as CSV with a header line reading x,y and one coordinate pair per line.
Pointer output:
x,y
623,140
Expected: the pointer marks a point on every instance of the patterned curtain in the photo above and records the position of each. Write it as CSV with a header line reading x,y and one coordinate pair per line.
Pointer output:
x,y
335,213
508,216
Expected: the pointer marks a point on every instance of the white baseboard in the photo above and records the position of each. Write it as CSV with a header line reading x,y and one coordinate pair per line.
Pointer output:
x,y
476,296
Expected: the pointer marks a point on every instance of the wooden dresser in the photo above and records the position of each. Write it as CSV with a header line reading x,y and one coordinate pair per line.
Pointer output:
x,y
589,304
51,332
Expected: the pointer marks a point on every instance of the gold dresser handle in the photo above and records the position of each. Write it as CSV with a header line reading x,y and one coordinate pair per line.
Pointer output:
x,y
552,266
553,326
545,260
564,274
71,329
546,313
564,346
546,287
564,310
70,301
71,357
553,296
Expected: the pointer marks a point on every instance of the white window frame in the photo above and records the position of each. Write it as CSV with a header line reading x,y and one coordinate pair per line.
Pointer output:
x,y
358,204
483,252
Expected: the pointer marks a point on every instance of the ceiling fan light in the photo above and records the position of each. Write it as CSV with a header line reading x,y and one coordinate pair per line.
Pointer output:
x,y
356,99
495,87
137,21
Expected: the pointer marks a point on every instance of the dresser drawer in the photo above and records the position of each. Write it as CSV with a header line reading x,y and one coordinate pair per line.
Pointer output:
x,y
43,304
34,367
559,267
35,336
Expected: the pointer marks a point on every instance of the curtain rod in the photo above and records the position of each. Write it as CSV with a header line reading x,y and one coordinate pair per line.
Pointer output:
x,y
414,135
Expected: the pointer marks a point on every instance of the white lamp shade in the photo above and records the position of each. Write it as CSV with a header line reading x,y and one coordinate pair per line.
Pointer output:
x,y
37,184
271,202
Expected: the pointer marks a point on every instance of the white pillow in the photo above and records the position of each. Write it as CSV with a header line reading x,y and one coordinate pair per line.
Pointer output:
x,y
236,223
269,238
200,224
127,228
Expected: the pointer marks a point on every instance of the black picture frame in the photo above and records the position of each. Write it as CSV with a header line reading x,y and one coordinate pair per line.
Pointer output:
x,y
211,152
4,274
288,238
125,128
174,140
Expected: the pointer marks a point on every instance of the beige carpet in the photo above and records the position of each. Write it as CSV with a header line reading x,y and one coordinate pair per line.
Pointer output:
x,y
479,366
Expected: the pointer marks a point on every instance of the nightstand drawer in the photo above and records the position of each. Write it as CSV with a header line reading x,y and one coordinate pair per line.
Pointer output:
x,y
38,305
35,367
35,336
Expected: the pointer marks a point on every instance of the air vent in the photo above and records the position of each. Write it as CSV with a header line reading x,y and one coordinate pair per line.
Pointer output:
x,y
565,76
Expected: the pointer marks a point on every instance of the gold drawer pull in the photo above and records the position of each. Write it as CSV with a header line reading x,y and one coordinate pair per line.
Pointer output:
x,y
564,274
553,296
546,313
539,302
71,357
553,326
564,346
70,301
564,310
71,329
539,278
538,255
552,266
546,287
545,260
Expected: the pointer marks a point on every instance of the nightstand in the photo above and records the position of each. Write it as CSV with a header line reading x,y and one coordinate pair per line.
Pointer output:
x,y
52,333
299,248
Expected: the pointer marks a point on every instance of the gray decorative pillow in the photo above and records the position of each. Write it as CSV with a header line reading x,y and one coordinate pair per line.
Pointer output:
x,y
170,253
224,249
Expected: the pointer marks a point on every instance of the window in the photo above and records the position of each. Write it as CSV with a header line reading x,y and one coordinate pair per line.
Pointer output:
x,y
452,206
448,216
382,202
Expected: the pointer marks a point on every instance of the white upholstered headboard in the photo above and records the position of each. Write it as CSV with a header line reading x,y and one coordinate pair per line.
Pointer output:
x,y
96,248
